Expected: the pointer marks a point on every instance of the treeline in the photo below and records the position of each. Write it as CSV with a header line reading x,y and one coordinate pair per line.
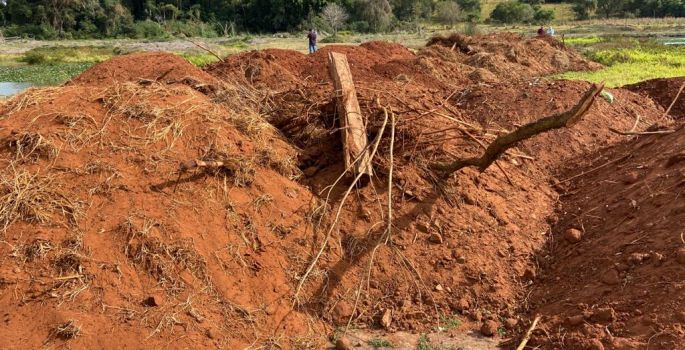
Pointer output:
x,y
585,9
50,19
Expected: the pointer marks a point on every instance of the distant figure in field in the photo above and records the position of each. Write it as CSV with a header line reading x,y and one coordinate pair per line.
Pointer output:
x,y
541,31
312,40
550,31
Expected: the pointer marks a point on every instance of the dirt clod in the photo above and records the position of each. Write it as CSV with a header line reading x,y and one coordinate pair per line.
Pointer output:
x,y
489,328
595,344
575,320
343,344
604,315
573,235
680,256
510,323
610,277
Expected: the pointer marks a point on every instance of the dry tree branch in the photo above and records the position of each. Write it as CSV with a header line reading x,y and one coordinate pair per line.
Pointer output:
x,y
674,100
504,142
204,48
528,334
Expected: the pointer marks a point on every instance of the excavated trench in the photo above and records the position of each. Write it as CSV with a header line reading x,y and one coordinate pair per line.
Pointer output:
x,y
217,258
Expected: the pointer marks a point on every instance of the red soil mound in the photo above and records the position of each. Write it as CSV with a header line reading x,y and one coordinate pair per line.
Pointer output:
x,y
102,229
663,91
112,248
446,233
618,281
143,65
514,56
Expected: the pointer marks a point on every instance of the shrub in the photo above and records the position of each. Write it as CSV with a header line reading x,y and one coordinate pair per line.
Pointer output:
x,y
360,26
543,16
447,12
512,11
149,30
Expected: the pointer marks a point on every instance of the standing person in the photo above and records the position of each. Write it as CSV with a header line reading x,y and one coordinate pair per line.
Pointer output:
x,y
312,40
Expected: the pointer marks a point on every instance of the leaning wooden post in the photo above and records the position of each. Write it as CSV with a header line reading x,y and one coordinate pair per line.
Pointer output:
x,y
356,152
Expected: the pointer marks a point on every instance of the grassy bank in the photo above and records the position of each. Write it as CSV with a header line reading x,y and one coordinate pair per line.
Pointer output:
x,y
628,60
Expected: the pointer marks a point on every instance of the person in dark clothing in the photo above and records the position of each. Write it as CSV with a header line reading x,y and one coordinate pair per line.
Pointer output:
x,y
541,31
312,40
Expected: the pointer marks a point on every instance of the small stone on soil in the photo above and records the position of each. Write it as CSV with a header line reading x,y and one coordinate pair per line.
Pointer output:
x,y
438,288
435,238
573,235
386,320
489,328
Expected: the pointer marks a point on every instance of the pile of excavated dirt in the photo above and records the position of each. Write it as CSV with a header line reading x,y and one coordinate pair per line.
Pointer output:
x,y
105,244
614,274
113,242
153,66
663,92
514,56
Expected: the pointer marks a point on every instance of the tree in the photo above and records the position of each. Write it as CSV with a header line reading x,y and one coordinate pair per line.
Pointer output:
x,y
512,11
584,8
543,16
335,16
610,7
471,9
447,12
378,13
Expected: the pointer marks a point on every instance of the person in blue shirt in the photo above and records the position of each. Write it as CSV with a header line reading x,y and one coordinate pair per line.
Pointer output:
x,y
312,40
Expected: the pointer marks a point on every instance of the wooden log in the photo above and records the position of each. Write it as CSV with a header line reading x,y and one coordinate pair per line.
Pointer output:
x,y
354,139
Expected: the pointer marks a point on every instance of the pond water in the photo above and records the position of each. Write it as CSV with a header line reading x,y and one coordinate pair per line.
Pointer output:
x,y
11,88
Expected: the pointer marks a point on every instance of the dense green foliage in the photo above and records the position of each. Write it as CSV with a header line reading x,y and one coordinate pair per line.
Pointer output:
x,y
514,11
51,19
585,9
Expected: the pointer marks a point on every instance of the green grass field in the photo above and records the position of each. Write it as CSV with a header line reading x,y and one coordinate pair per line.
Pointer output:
x,y
628,60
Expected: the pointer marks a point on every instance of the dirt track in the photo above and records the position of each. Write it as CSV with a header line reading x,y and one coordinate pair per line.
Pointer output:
x,y
113,247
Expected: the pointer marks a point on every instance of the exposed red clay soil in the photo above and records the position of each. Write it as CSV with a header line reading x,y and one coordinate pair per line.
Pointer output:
x,y
101,228
143,65
663,92
614,275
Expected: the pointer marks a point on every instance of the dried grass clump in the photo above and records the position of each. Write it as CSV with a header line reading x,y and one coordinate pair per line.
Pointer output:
x,y
36,250
66,331
159,259
28,98
68,263
282,163
238,167
33,198
136,103
31,147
